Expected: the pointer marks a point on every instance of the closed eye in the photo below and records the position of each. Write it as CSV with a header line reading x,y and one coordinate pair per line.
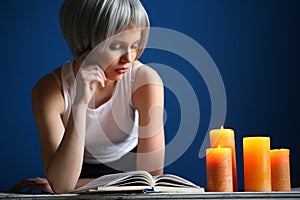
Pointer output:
x,y
136,46
116,47
122,47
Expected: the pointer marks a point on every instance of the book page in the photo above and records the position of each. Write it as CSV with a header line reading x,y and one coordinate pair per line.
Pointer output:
x,y
120,189
164,189
173,181
134,178
170,183
139,180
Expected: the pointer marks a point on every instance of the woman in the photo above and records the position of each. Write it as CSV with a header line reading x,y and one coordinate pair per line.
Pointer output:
x,y
102,112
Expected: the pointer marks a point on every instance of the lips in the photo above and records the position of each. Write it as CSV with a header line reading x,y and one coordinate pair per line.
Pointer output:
x,y
121,70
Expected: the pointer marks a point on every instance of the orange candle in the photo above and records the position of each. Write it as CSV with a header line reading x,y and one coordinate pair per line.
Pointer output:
x,y
280,170
257,164
219,170
225,138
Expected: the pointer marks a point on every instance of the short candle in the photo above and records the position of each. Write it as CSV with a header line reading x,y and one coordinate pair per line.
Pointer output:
x,y
225,138
280,170
219,170
257,164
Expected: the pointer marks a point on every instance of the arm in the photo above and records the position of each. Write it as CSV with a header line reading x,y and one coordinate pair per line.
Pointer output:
x,y
148,99
62,148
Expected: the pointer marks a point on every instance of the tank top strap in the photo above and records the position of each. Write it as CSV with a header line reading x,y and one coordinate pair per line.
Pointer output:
x,y
67,81
57,78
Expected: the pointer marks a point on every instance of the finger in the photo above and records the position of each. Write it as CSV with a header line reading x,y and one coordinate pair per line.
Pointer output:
x,y
99,72
48,189
97,69
92,75
102,82
21,185
95,77
44,186
42,180
103,74
26,183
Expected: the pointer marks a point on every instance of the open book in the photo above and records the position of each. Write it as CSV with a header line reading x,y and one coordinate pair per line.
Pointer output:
x,y
139,181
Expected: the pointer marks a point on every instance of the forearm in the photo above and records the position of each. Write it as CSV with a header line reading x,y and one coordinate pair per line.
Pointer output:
x,y
65,166
152,162
151,154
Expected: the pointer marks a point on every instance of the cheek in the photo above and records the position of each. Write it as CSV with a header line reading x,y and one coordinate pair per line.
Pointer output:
x,y
134,54
108,59
113,58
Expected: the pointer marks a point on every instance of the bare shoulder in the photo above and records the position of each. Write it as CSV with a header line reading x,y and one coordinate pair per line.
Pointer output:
x,y
145,75
147,88
47,91
45,86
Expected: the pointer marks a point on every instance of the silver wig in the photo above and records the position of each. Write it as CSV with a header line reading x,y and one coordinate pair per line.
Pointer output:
x,y
87,23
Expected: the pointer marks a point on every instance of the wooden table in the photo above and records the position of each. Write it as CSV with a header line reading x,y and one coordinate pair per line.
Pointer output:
x,y
205,195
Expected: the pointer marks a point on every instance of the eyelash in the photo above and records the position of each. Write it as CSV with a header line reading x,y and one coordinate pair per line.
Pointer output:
x,y
118,47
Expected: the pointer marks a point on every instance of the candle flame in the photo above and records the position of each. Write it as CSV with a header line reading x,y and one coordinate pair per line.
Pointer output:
x,y
219,146
222,127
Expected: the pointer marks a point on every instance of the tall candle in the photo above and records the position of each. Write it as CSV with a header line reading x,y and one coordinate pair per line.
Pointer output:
x,y
225,138
219,170
280,170
257,164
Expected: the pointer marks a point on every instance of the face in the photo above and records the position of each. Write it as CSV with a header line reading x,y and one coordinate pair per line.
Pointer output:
x,y
116,54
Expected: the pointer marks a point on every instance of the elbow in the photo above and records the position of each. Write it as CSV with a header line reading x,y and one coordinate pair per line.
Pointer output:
x,y
62,189
61,186
61,183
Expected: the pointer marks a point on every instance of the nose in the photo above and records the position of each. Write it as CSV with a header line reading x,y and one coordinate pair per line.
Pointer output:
x,y
127,57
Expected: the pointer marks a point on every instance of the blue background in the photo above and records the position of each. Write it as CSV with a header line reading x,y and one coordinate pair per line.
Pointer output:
x,y
255,45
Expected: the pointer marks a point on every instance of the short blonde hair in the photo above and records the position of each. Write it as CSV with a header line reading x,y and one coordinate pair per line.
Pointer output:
x,y
87,23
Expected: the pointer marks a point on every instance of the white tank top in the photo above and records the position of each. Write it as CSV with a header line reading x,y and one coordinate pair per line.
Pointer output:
x,y
112,128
